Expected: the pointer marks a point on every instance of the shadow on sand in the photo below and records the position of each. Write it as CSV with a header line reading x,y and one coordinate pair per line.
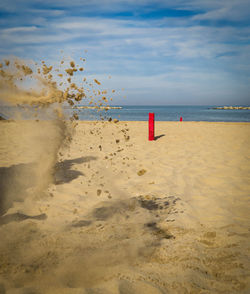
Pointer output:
x,y
158,137
13,184
18,217
64,173
17,179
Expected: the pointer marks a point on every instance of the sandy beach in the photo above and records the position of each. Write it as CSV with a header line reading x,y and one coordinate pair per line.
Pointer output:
x,y
124,215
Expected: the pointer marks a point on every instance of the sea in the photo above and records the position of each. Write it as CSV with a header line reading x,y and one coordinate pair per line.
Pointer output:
x,y
140,113
167,113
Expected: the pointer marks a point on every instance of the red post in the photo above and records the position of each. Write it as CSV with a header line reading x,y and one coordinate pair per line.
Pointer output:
x,y
151,126
181,118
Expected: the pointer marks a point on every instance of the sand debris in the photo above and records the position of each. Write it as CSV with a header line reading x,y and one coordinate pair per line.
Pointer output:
x,y
70,71
97,82
27,70
46,69
141,172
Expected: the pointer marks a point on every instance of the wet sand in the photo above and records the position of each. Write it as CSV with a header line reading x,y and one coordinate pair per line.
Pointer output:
x,y
125,215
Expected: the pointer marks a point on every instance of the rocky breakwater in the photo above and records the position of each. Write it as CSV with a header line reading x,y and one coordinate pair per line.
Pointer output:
x,y
233,107
97,107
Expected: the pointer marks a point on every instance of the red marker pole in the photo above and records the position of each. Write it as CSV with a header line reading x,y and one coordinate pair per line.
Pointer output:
x,y
151,126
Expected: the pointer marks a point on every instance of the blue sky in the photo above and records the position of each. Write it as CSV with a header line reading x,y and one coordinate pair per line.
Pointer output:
x,y
161,52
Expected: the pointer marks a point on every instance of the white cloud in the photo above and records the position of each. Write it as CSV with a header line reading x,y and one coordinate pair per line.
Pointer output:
x,y
229,10
177,88
122,36
177,56
19,30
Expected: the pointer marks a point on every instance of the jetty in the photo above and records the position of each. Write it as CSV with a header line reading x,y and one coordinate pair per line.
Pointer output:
x,y
97,107
232,107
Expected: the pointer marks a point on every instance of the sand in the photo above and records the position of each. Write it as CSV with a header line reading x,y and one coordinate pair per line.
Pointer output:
x,y
125,215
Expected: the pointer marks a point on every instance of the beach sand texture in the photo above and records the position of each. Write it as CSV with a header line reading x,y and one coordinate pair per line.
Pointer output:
x,y
125,215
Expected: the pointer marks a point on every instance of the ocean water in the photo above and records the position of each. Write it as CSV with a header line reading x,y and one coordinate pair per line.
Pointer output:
x,y
140,113
168,113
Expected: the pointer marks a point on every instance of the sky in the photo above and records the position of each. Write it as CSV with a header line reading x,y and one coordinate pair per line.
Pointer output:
x,y
162,52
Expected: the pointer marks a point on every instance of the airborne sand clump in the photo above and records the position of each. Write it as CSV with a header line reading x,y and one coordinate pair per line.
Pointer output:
x,y
33,92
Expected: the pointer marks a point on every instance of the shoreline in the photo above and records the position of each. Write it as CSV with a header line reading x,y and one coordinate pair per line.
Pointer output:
x,y
128,121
